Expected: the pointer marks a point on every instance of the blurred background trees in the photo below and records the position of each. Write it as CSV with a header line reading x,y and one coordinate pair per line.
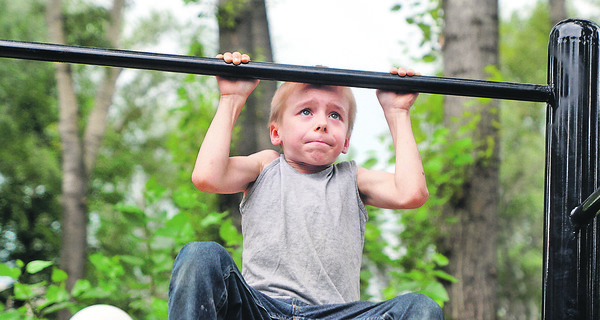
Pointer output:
x,y
139,206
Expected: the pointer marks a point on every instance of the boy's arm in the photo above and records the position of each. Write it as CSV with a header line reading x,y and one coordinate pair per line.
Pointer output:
x,y
406,187
215,171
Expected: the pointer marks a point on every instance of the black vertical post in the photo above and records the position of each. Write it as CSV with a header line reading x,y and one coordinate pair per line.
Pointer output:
x,y
571,278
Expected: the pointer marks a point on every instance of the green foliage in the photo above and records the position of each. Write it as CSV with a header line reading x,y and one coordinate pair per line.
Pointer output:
x,y
230,12
30,167
14,26
521,225
85,24
37,299
523,49
411,262
427,17
134,237
524,39
135,281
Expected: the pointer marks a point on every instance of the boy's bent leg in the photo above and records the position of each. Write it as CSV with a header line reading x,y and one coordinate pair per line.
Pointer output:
x,y
206,284
415,306
411,306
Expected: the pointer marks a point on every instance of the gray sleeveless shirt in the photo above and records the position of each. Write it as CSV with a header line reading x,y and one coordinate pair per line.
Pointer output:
x,y
304,233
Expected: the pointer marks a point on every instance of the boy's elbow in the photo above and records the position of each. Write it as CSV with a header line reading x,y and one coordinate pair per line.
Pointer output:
x,y
423,196
202,181
417,198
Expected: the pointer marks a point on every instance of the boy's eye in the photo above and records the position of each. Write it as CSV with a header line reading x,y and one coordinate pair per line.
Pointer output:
x,y
335,116
305,112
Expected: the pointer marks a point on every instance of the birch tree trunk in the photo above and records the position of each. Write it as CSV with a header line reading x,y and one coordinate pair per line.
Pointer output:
x,y
79,156
74,185
470,45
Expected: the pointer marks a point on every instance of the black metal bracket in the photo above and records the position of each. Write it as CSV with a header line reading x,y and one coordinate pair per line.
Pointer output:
x,y
583,214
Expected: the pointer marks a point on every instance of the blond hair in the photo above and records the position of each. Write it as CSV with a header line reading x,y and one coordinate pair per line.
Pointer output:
x,y
284,91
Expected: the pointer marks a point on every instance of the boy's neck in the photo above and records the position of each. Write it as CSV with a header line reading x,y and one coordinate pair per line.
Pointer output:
x,y
306,168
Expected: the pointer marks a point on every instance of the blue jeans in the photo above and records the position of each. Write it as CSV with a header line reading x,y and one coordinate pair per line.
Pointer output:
x,y
206,284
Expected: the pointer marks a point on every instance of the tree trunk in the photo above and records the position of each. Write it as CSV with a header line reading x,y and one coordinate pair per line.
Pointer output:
x,y
471,44
243,27
74,185
558,11
78,158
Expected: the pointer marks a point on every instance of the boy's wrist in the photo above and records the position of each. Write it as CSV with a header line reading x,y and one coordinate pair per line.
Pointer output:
x,y
396,112
233,99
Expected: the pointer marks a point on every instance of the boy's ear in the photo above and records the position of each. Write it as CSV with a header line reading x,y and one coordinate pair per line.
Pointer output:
x,y
346,145
274,132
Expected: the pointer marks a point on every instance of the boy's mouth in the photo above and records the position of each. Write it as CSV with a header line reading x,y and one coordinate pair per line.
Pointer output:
x,y
319,142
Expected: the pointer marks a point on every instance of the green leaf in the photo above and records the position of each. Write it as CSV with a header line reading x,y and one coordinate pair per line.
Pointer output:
x,y
174,226
440,259
95,293
59,275
162,262
428,58
370,163
28,291
230,234
154,191
132,260
56,294
8,271
133,214
436,291
13,314
185,199
159,307
57,306
37,266
213,219
80,287
444,276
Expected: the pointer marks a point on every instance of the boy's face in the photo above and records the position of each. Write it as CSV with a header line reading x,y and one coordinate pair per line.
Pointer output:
x,y
313,128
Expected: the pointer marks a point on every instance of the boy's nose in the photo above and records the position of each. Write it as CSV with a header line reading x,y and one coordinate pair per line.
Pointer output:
x,y
321,125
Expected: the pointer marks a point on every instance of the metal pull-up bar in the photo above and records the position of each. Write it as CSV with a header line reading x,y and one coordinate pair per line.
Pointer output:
x,y
273,71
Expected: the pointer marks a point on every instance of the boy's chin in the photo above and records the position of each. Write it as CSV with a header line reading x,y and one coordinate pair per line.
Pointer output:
x,y
320,161
312,162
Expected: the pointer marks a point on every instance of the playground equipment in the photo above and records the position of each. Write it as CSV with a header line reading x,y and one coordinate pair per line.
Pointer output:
x,y
571,276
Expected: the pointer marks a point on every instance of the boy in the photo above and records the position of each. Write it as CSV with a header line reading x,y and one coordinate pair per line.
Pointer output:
x,y
303,217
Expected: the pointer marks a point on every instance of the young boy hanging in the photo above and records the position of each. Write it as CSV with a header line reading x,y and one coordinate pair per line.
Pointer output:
x,y
303,215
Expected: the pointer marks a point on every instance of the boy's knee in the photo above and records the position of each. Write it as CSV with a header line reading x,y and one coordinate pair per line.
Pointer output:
x,y
201,256
202,249
422,307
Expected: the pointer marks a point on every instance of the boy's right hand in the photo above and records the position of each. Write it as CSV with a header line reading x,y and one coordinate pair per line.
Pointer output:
x,y
234,86
235,58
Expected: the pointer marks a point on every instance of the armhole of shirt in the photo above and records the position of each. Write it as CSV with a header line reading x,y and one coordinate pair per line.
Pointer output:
x,y
361,205
253,185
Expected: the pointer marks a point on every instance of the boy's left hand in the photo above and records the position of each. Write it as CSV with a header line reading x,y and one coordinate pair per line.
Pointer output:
x,y
391,101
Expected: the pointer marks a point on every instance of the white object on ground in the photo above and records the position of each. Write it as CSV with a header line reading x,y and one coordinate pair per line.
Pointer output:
x,y
101,312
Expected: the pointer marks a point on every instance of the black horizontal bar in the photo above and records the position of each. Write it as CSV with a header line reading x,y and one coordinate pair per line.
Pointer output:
x,y
588,210
273,71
